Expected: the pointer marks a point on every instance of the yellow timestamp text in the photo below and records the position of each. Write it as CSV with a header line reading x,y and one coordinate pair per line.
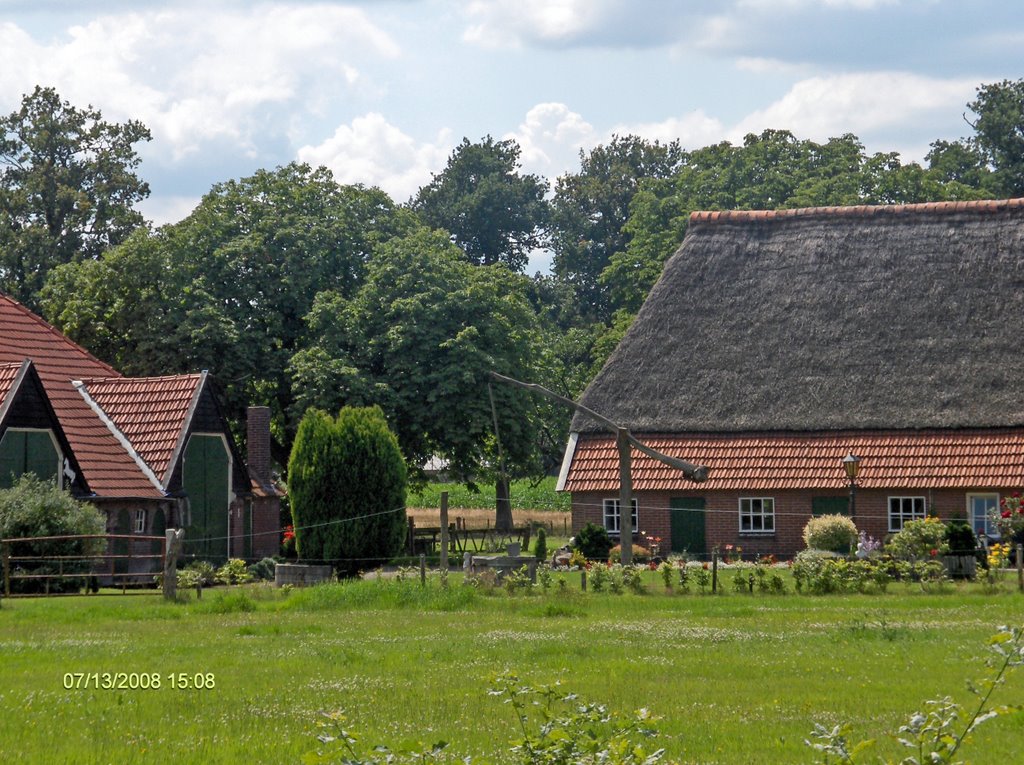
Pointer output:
x,y
139,681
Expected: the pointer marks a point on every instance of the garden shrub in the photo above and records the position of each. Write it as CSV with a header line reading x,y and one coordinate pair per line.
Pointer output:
x,y
33,507
347,481
233,572
264,570
835,533
197,573
960,538
598,577
593,542
640,554
919,539
540,547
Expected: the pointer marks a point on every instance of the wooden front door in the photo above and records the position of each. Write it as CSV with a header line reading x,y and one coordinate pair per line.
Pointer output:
x,y
686,522
207,481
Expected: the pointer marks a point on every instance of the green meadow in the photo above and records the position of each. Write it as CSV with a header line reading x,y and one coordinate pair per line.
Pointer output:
x,y
734,678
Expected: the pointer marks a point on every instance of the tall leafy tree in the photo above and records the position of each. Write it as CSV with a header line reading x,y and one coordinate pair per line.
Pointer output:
x,y
999,132
227,289
591,207
419,339
68,188
492,211
346,482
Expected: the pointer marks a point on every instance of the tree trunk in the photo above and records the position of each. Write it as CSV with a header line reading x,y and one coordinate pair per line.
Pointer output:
x,y
503,506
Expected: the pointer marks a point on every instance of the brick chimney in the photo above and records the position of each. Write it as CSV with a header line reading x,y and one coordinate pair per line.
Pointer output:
x,y
258,442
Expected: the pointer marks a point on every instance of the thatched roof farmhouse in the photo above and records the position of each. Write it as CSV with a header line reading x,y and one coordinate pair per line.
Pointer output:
x,y
777,342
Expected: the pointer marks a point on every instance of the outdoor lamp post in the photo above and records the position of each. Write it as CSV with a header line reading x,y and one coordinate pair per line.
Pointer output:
x,y
851,464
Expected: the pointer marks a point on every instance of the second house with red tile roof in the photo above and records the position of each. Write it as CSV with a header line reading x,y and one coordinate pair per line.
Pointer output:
x,y
153,453
777,343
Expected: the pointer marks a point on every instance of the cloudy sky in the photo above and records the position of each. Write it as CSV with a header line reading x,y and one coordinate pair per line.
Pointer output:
x,y
381,91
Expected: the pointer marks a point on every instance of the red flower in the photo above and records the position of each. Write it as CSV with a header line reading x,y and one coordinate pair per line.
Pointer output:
x,y
289,533
933,552
1006,513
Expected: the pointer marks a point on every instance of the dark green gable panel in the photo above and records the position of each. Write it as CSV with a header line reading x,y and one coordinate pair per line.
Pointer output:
x,y
27,451
41,455
12,461
205,478
686,522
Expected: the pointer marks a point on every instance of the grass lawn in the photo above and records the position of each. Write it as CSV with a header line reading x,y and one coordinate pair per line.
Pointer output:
x,y
736,678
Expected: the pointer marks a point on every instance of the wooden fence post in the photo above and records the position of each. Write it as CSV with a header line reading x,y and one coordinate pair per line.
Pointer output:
x,y
583,580
5,553
172,547
423,569
444,531
714,571
1020,567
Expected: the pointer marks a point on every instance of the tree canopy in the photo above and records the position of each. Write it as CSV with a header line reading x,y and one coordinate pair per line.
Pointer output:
x,y
495,214
590,210
228,288
68,188
419,338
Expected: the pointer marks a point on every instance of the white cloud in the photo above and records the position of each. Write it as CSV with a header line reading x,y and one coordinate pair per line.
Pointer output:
x,y
551,137
374,152
823,107
693,130
509,23
200,73
167,209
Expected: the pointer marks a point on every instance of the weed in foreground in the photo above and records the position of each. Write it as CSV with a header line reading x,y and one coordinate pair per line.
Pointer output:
x,y
936,735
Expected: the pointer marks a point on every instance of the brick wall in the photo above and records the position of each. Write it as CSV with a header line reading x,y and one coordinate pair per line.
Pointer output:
x,y
792,511
258,442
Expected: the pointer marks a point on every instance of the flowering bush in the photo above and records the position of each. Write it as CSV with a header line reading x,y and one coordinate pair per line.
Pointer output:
x,y
920,539
835,533
288,542
1010,518
866,545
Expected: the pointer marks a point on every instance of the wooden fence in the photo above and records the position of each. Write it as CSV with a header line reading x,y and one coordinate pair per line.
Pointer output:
x,y
112,567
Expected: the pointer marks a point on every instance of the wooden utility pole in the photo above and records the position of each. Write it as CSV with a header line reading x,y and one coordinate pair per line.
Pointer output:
x,y
625,442
444,531
625,495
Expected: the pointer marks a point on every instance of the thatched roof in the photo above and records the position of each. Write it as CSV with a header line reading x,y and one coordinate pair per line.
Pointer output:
x,y
896,317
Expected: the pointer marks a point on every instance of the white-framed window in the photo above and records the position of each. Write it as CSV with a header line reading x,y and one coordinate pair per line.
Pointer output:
x,y
903,509
980,508
757,515
611,516
140,521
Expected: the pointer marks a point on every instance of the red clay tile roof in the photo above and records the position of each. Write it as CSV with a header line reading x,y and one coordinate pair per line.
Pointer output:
x,y
151,412
921,460
8,374
109,469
